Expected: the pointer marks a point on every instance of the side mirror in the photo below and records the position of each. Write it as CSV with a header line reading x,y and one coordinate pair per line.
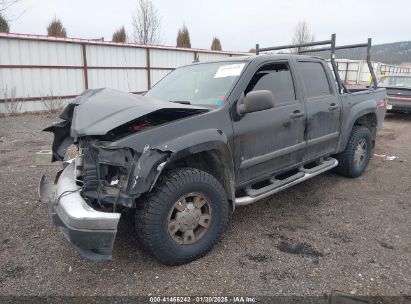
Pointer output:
x,y
256,101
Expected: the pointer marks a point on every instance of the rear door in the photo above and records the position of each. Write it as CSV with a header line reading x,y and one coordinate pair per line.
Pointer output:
x,y
323,108
270,140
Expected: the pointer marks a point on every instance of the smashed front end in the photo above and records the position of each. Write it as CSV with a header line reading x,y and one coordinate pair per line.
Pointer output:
x,y
88,196
90,231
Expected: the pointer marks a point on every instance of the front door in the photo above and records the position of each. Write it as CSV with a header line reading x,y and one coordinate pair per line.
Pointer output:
x,y
270,140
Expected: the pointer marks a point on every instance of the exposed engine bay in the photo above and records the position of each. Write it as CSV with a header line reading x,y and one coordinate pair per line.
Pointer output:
x,y
110,175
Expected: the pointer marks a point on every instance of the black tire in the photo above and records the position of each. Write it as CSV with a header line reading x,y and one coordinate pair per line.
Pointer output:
x,y
152,215
347,165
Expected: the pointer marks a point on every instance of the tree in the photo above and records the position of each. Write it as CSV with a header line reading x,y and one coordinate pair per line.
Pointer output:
x,y
302,34
146,23
5,6
56,29
120,35
183,37
6,14
4,25
252,50
216,44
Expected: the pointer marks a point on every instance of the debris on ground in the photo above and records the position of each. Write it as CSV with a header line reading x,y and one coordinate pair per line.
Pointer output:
x,y
308,240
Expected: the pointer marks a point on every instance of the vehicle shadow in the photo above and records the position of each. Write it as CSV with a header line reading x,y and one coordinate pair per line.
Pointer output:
x,y
126,246
295,203
393,116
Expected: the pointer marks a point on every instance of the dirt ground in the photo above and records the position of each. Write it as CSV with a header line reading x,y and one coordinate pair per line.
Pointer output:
x,y
328,233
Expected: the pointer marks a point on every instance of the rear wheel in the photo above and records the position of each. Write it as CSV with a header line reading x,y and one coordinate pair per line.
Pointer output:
x,y
183,217
353,161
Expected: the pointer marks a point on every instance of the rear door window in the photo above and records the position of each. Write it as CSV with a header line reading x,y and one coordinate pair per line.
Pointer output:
x,y
314,78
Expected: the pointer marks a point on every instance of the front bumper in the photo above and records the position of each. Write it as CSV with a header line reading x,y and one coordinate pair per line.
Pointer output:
x,y
90,231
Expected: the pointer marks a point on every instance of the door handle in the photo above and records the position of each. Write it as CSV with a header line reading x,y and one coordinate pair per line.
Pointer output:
x,y
333,106
296,113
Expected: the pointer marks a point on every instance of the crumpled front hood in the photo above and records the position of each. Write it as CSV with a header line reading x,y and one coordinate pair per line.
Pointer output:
x,y
98,111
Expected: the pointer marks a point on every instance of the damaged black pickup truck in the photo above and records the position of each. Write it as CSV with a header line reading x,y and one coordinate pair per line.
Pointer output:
x,y
207,138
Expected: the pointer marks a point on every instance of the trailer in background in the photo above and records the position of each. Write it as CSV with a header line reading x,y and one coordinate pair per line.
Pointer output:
x,y
357,73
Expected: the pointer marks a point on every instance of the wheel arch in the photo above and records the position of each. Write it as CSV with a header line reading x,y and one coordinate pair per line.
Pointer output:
x,y
370,121
362,114
207,150
212,162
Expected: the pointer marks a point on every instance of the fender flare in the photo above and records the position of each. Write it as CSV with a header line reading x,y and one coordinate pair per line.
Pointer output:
x,y
202,141
355,112
62,139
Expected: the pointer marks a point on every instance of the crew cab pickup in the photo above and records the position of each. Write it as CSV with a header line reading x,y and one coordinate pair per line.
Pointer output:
x,y
207,138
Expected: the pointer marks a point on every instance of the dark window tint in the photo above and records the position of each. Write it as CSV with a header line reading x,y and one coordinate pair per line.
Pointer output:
x,y
275,78
315,80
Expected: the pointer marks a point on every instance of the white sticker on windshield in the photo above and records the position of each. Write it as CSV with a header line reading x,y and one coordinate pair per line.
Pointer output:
x,y
229,70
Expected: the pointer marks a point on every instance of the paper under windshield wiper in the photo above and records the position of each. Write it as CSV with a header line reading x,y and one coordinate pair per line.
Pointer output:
x,y
181,101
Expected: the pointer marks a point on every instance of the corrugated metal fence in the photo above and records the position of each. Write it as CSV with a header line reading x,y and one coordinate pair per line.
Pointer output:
x,y
40,71
37,68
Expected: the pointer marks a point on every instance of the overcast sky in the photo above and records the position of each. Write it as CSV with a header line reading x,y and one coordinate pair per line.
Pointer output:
x,y
239,24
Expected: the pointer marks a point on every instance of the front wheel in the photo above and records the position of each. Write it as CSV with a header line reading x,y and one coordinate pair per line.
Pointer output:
x,y
183,217
353,161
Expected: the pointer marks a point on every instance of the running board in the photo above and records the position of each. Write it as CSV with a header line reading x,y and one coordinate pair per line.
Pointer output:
x,y
276,185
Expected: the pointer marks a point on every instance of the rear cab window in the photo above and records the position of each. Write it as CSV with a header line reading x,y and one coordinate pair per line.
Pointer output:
x,y
315,79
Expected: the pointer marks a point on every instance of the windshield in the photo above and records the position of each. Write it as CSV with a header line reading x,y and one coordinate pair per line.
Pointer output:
x,y
205,84
395,81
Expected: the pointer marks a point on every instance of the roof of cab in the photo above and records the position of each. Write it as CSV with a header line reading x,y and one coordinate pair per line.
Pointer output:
x,y
261,57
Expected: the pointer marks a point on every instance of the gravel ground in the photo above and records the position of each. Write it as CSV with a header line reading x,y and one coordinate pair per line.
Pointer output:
x,y
328,233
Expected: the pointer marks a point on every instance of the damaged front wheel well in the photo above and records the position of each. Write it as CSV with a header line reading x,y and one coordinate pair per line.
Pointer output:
x,y
212,163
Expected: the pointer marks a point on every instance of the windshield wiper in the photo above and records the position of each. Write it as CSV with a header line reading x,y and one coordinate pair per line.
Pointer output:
x,y
186,102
